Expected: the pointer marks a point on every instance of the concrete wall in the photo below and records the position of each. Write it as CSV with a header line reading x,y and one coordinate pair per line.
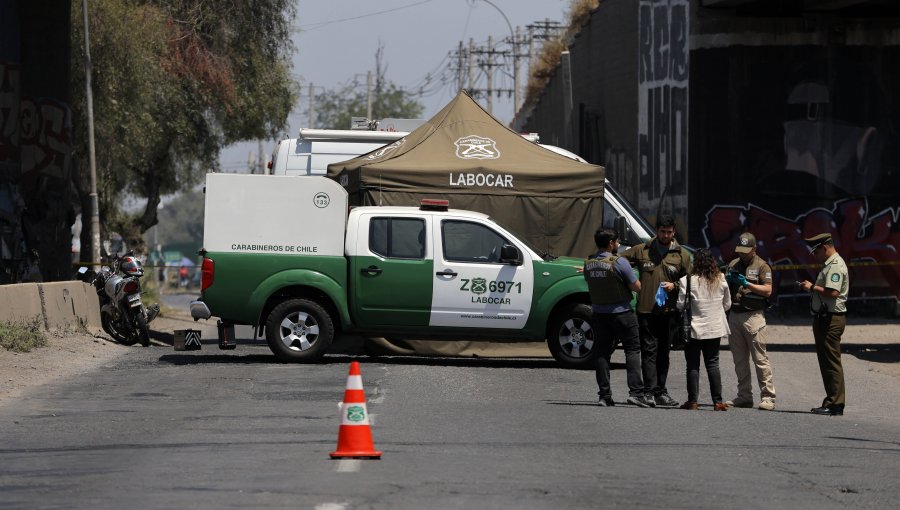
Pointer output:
x,y
59,305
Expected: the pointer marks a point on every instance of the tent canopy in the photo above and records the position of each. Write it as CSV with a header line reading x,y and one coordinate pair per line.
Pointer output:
x,y
467,156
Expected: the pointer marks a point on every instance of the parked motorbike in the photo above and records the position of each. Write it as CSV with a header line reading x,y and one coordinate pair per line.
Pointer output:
x,y
122,312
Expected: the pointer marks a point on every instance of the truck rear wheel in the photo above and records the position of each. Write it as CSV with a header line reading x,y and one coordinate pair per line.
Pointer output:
x,y
572,337
299,331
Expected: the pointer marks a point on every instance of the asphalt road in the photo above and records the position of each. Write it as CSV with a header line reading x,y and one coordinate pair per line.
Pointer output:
x,y
213,429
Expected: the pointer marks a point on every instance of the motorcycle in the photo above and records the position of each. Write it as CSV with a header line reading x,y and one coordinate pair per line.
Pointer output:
x,y
122,312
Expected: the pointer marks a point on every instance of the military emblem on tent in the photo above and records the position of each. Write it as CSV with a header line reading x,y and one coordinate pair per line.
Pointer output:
x,y
384,150
476,147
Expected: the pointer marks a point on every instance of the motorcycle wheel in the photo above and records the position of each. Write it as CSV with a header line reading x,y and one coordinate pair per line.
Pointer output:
x,y
143,330
109,325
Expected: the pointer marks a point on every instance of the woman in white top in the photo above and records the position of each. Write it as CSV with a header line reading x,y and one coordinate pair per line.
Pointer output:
x,y
709,300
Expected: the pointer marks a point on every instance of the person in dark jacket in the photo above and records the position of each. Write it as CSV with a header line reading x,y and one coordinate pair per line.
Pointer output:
x,y
661,263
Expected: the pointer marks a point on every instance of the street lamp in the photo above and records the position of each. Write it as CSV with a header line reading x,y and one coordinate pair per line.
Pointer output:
x,y
95,207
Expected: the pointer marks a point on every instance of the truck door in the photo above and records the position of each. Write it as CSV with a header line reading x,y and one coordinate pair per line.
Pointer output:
x,y
391,272
472,288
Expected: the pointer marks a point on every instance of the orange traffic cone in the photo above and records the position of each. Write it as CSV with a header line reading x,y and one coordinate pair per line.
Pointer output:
x,y
355,436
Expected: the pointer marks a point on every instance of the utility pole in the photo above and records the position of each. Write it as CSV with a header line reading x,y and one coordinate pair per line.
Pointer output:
x,y
312,106
471,71
460,74
516,56
261,168
369,96
95,204
490,75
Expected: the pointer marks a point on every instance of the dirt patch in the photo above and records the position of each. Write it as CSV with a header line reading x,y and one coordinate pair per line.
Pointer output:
x,y
63,356
67,354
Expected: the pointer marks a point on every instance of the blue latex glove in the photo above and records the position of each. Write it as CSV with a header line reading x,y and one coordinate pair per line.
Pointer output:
x,y
661,296
730,278
742,280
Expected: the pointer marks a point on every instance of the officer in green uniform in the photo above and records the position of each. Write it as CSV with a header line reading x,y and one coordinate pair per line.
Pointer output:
x,y
829,308
661,263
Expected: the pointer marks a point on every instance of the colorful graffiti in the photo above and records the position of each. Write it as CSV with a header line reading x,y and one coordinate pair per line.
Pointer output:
x,y
868,242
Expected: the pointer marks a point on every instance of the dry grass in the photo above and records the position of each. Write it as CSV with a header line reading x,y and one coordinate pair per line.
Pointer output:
x,y
22,336
548,56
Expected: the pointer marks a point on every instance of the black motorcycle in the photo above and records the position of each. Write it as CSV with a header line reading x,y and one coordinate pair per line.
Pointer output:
x,y
122,312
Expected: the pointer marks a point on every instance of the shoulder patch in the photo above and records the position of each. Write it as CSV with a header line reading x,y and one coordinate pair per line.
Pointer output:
x,y
835,277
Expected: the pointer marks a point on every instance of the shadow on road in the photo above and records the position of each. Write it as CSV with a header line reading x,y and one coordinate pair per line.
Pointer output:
x,y
331,359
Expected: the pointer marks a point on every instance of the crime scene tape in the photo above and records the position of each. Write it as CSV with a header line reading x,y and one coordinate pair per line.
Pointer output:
x,y
788,267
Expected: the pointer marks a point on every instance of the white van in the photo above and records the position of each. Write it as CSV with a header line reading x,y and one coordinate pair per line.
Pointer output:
x,y
314,149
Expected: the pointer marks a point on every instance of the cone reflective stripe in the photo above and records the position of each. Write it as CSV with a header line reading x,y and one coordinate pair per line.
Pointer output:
x,y
355,434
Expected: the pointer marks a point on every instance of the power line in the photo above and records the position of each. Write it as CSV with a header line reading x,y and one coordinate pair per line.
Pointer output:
x,y
334,21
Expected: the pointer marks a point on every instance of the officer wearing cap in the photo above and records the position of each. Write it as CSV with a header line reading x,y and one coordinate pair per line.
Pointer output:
x,y
829,307
750,282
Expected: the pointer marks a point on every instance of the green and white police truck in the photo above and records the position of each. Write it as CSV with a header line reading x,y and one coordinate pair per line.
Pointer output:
x,y
286,256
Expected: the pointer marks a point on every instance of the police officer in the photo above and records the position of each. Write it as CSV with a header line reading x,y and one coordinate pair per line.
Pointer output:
x,y
610,282
661,262
829,307
750,282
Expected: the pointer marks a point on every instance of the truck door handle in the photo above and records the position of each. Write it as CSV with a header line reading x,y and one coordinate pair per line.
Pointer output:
x,y
371,270
447,272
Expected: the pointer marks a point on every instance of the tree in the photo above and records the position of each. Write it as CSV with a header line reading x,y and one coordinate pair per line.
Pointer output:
x,y
334,108
174,81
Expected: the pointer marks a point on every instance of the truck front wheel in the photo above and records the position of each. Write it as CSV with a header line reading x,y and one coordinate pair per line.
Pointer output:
x,y
299,330
572,337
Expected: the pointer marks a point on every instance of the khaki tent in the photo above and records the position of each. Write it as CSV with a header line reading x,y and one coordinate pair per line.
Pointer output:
x,y
465,155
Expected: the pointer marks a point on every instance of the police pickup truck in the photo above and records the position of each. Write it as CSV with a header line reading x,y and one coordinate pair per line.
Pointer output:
x,y
286,256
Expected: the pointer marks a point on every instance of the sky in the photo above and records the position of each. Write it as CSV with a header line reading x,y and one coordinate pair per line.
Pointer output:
x,y
336,41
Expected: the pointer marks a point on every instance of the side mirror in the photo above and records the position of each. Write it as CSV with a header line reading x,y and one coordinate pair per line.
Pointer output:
x,y
623,230
509,254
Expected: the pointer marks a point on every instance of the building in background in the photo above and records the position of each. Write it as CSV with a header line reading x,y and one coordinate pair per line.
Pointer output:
x,y
36,210
782,118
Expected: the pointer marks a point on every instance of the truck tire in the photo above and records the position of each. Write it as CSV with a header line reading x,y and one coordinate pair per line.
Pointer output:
x,y
571,337
299,331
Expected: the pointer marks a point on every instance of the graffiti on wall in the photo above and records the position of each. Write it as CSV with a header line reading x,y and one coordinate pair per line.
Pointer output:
x,y
12,236
663,69
35,151
46,136
840,153
867,241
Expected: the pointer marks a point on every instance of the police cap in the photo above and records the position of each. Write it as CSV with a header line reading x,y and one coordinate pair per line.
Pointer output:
x,y
746,243
814,242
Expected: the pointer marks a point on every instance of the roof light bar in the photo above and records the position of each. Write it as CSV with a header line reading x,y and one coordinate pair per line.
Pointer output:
x,y
433,204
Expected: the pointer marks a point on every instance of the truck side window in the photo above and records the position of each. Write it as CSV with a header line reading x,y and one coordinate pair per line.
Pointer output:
x,y
398,238
470,242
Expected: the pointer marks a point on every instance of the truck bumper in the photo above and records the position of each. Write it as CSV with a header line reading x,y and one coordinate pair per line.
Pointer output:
x,y
199,310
